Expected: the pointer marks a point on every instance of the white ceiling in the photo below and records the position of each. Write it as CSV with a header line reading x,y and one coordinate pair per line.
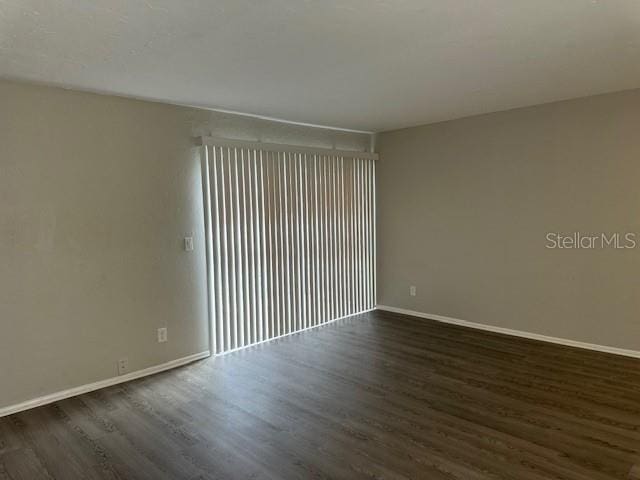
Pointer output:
x,y
360,64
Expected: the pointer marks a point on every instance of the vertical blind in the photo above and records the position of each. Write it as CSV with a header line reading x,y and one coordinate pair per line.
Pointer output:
x,y
292,241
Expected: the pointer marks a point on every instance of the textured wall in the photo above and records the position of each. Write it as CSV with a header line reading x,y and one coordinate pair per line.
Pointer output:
x,y
96,194
464,208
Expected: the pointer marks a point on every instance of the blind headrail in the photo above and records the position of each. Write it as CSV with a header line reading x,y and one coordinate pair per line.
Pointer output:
x,y
281,147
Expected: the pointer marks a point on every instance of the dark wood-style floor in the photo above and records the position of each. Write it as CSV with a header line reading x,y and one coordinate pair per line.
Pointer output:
x,y
379,396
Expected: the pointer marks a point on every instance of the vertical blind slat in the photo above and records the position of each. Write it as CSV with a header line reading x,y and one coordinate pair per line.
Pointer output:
x,y
225,252
308,237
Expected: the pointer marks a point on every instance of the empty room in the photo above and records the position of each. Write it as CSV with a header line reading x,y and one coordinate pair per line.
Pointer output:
x,y
319,239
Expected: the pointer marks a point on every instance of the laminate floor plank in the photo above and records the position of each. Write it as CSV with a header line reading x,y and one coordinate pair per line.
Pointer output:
x,y
377,396
390,408
22,464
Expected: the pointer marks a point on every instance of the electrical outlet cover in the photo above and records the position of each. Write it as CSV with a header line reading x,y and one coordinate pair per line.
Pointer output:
x,y
123,366
162,335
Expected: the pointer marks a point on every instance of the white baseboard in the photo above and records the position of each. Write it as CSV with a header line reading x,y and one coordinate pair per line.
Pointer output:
x,y
515,333
72,392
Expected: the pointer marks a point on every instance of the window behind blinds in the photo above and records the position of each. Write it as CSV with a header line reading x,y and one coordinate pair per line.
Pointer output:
x,y
292,241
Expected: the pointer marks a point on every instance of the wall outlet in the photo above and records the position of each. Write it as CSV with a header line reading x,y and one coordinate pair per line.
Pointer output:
x,y
188,244
412,291
123,366
162,335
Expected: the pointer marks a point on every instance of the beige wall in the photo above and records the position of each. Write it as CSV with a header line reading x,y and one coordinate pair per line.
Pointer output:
x,y
464,207
96,194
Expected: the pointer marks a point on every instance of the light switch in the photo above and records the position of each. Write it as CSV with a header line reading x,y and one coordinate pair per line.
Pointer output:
x,y
188,244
